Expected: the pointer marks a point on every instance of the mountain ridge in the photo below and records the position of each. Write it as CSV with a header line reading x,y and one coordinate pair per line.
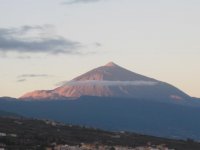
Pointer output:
x,y
144,116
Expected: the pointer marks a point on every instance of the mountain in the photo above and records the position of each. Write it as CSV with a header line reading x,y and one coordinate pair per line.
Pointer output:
x,y
116,99
111,80
116,114
7,99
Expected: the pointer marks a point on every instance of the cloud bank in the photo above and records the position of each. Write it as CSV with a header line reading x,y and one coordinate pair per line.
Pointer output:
x,y
24,77
21,80
35,39
110,83
33,75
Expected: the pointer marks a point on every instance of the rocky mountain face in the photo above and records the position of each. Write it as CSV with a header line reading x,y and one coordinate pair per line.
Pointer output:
x,y
111,80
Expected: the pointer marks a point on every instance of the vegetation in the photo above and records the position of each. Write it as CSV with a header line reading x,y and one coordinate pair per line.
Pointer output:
x,y
24,134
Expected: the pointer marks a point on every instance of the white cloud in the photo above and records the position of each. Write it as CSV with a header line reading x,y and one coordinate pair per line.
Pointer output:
x,y
111,83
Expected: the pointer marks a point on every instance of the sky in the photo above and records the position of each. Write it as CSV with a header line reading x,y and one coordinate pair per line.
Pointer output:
x,y
46,42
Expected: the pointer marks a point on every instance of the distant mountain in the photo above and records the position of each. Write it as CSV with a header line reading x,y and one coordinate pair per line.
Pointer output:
x,y
117,114
8,98
5,113
111,80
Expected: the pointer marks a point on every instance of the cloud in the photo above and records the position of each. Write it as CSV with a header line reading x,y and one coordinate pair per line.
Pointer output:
x,y
21,80
25,77
23,57
33,75
110,83
69,2
61,83
97,44
35,39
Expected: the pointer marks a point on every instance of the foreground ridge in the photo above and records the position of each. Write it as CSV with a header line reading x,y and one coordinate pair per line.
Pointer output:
x,y
21,133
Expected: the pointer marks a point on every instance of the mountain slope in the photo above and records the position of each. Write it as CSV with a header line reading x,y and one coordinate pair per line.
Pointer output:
x,y
111,80
112,72
38,134
8,114
116,114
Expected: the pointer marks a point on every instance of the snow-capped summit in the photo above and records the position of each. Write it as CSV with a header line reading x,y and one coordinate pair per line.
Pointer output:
x,y
112,72
111,64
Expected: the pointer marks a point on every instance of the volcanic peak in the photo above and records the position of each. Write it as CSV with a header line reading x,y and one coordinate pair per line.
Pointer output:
x,y
111,64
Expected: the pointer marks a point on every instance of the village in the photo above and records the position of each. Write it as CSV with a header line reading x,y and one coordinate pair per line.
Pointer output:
x,y
33,134
105,147
83,146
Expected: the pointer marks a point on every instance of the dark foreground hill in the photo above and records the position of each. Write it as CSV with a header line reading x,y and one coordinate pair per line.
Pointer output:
x,y
23,134
116,114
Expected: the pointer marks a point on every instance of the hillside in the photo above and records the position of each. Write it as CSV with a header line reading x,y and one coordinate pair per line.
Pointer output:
x,y
8,114
115,114
22,134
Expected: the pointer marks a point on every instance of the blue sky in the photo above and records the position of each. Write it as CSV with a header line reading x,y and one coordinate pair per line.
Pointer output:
x,y
44,42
